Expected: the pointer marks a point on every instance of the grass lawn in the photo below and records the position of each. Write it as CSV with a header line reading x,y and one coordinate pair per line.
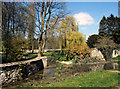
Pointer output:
x,y
92,79
56,54
116,69
51,53
30,55
116,58
25,56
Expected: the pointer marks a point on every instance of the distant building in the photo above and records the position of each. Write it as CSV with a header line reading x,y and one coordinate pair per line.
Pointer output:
x,y
119,8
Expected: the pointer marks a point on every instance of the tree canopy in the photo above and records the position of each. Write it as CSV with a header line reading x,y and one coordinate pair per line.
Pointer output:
x,y
92,40
106,45
110,26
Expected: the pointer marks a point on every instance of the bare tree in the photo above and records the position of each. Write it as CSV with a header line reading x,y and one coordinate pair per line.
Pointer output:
x,y
47,10
31,25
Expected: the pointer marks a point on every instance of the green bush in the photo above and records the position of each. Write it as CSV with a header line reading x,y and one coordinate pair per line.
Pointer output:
x,y
116,58
87,60
62,58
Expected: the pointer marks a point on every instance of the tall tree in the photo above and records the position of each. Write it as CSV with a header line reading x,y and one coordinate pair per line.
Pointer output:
x,y
110,26
47,10
6,14
31,25
66,26
92,40
76,45
0,30
13,29
106,45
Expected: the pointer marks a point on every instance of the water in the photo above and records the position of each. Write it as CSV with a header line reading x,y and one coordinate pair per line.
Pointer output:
x,y
56,73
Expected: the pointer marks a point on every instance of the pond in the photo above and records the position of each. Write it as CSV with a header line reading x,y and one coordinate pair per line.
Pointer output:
x,y
57,72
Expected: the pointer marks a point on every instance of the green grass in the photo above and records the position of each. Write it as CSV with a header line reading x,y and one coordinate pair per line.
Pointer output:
x,y
55,54
116,58
92,79
4,59
116,69
31,54
26,55
51,53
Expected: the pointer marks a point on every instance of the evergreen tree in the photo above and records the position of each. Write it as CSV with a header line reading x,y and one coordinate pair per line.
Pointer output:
x,y
110,26
92,40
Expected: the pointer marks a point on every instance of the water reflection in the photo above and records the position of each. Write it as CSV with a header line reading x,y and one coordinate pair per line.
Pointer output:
x,y
60,72
108,66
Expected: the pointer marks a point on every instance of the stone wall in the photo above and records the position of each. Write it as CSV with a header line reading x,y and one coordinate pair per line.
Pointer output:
x,y
96,53
14,71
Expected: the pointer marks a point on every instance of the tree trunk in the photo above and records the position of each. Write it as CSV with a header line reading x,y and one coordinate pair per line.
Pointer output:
x,y
107,53
39,51
32,46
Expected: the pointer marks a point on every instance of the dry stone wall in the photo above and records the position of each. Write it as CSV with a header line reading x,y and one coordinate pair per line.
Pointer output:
x,y
14,71
96,53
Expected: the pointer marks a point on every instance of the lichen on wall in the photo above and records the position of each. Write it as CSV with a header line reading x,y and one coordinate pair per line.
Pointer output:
x,y
15,71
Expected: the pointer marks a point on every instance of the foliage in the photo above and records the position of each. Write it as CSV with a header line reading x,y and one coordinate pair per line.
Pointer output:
x,y
116,58
106,46
22,70
30,55
65,27
87,60
92,79
110,26
62,58
13,29
76,45
52,42
19,21
45,11
92,40
59,67
31,26
51,53
108,66
16,49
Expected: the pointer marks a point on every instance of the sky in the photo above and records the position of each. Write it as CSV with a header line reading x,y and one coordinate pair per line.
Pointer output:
x,y
89,14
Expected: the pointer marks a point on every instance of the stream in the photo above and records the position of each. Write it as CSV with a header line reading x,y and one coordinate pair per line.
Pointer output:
x,y
56,72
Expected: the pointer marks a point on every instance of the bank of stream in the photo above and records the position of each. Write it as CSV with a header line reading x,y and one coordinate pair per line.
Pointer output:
x,y
56,72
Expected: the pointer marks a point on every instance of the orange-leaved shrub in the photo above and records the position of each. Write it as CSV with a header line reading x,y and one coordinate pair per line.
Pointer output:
x,y
76,46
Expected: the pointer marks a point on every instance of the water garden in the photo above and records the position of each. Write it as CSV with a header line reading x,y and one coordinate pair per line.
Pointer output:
x,y
57,74
42,46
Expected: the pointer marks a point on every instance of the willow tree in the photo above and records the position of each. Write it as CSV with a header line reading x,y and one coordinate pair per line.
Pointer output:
x,y
66,26
45,11
76,45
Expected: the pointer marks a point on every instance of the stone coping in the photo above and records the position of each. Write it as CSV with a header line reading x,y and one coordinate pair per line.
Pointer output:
x,y
112,61
65,62
22,62
103,62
